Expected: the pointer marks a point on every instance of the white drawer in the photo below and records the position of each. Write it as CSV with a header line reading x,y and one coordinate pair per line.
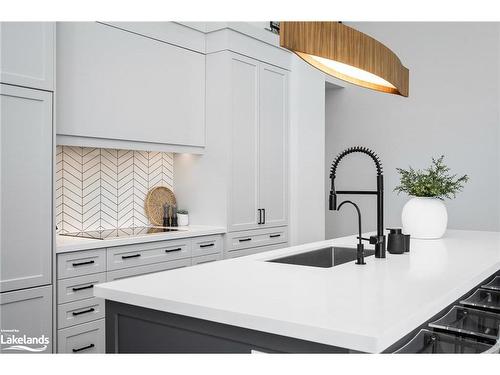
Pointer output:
x,y
149,253
81,263
207,258
144,270
254,250
206,245
72,313
82,339
254,238
78,288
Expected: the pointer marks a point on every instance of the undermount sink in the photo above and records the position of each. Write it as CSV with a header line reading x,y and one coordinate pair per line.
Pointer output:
x,y
325,258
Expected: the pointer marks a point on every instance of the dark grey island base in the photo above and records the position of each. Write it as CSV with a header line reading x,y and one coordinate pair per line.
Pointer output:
x,y
133,329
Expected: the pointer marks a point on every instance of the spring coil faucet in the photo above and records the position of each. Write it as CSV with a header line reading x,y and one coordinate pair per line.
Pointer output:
x,y
379,239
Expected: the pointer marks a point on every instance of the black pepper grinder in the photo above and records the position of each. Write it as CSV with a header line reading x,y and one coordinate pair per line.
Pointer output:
x,y
396,241
173,221
166,215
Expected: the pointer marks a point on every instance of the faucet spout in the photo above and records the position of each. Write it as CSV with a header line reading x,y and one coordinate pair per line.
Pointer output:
x,y
360,256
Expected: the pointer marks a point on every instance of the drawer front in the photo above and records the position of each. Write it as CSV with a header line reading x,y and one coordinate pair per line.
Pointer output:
x,y
206,245
85,338
207,258
142,254
144,270
78,288
81,263
254,238
72,313
255,250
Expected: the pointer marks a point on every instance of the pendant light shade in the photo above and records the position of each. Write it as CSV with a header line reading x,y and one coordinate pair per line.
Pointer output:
x,y
347,54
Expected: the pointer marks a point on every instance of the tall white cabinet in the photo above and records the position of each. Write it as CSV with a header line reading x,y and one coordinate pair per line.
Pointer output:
x,y
258,189
26,180
241,180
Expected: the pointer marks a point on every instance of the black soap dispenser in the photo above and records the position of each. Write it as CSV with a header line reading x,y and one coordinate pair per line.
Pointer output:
x,y
173,222
397,242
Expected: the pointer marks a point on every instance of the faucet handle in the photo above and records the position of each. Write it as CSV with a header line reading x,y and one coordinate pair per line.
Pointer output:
x,y
375,240
363,238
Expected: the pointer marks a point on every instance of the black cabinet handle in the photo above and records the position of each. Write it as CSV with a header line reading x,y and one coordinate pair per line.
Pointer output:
x,y
83,311
172,250
208,245
274,235
131,256
260,216
264,216
83,348
83,263
83,287
245,239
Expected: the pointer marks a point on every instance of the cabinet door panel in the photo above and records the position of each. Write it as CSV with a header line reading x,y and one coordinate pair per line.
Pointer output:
x,y
25,187
273,145
82,339
114,84
244,170
30,313
27,54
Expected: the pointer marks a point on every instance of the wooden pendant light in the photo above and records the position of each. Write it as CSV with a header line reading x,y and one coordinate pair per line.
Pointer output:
x,y
347,54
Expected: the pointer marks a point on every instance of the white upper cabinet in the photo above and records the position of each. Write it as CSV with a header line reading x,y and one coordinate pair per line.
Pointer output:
x,y
25,187
117,85
273,135
27,54
174,33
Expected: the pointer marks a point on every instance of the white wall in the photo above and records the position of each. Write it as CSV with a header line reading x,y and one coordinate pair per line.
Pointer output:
x,y
453,109
307,153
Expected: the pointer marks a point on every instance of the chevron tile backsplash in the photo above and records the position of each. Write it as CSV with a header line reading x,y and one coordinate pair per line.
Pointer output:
x,y
104,188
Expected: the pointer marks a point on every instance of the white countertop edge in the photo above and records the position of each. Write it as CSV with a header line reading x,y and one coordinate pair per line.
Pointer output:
x,y
65,244
262,324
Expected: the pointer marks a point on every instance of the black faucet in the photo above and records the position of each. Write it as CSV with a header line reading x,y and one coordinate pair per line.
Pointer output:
x,y
379,239
360,255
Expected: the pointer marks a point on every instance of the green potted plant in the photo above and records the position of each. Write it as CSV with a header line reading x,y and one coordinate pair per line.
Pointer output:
x,y
182,217
425,216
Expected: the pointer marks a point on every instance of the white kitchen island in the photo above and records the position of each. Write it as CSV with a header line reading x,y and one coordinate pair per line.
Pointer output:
x,y
359,308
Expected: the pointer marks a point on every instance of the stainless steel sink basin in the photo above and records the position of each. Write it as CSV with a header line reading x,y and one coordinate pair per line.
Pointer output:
x,y
324,258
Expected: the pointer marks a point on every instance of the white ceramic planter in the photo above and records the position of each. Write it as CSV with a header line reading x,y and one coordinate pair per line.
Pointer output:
x,y
424,218
182,220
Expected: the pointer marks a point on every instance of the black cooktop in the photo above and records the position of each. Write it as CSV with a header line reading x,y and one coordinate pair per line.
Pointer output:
x,y
121,232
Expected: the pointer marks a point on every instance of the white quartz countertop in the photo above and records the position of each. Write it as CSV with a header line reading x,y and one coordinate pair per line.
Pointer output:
x,y
365,308
66,244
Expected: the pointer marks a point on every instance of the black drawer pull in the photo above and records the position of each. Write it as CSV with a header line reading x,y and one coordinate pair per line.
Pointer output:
x,y
131,256
83,263
172,250
83,287
83,348
245,239
274,235
83,311
208,245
